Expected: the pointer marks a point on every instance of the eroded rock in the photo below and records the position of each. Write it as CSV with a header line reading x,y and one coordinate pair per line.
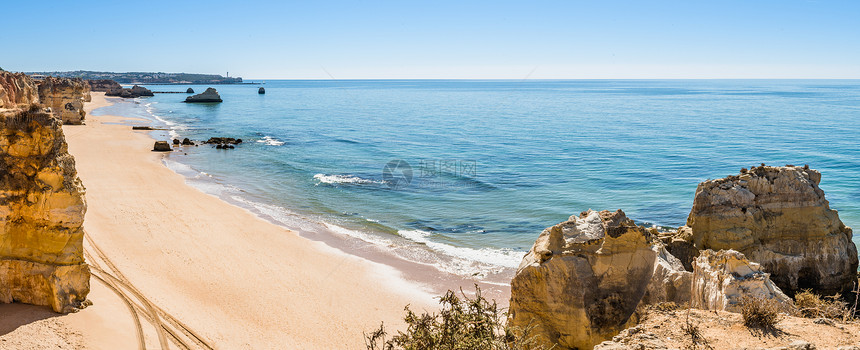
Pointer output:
x,y
42,208
210,95
582,280
778,217
65,97
721,279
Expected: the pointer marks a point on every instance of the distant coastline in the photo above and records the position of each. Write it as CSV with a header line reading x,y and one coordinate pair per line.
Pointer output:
x,y
144,78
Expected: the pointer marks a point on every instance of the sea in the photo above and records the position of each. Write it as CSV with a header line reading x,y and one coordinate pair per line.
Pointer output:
x,y
463,175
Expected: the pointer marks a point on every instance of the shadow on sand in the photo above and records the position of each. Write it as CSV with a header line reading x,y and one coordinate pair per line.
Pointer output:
x,y
16,315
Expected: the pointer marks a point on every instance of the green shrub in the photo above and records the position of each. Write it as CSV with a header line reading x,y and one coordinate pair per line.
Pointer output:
x,y
462,324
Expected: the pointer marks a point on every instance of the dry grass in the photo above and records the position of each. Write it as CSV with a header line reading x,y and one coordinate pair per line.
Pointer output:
x,y
759,313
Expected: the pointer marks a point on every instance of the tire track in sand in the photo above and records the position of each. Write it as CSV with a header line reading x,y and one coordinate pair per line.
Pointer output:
x,y
166,326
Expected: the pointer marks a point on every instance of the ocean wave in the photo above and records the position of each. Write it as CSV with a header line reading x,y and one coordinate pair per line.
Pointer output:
x,y
344,179
506,258
271,141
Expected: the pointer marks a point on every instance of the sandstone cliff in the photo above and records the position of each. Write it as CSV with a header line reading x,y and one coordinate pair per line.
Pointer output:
x,y
41,208
778,217
582,280
17,90
65,97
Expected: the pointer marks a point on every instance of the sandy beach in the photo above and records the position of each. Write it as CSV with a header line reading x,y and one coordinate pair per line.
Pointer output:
x,y
195,271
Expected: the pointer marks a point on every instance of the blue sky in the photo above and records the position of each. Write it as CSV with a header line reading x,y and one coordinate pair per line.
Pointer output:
x,y
439,39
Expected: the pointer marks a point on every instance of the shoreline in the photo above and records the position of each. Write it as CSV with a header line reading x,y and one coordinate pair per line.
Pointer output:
x,y
232,277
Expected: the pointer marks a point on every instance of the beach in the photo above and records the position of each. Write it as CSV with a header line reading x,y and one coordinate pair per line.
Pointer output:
x,y
208,269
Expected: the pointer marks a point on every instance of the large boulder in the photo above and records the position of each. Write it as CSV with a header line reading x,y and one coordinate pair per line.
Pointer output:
x,y
721,279
581,282
42,209
778,217
670,282
210,95
141,91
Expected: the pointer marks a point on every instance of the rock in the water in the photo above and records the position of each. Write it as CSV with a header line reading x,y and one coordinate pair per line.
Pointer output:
x,y
175,141
189,91
778,217
65,97
261,91
42,205
582,280
721,279
134,92
162,146
103,85
223,140
187,142
210,95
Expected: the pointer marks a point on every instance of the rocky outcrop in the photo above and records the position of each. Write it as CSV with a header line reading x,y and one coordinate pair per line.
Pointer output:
x,y
210,95
721,279
134,92
189,91
41,210
140,91
17,91
779,218
582,280
65,97
670,282
104,85
261,91
161,146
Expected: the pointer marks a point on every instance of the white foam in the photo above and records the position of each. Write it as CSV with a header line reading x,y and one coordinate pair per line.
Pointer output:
x,y
343,179
494,257
271,141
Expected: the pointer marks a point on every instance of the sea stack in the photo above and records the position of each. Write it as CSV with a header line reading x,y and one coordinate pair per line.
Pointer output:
x,y
210,95
261,91
189,91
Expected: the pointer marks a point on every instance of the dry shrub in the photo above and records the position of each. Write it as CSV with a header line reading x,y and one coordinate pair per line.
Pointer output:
x,y
811,305
467,323
697,339
667,306
759,313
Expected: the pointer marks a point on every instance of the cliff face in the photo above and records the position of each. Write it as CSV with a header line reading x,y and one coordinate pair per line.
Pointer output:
x,y
17,90
41,209
65,97
778,217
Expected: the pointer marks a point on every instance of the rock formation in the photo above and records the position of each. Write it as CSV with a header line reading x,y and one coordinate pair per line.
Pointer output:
x,y
65,97
210,95
104,85
134,92
189,91
161,146
17,90
582,280
721,279
261,91
41,205
670,282
779,218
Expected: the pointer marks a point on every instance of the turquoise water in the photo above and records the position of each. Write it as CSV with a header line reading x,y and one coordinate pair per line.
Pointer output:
x,y
495,162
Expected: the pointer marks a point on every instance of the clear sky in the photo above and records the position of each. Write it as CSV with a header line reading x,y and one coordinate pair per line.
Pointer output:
x,y
438,39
